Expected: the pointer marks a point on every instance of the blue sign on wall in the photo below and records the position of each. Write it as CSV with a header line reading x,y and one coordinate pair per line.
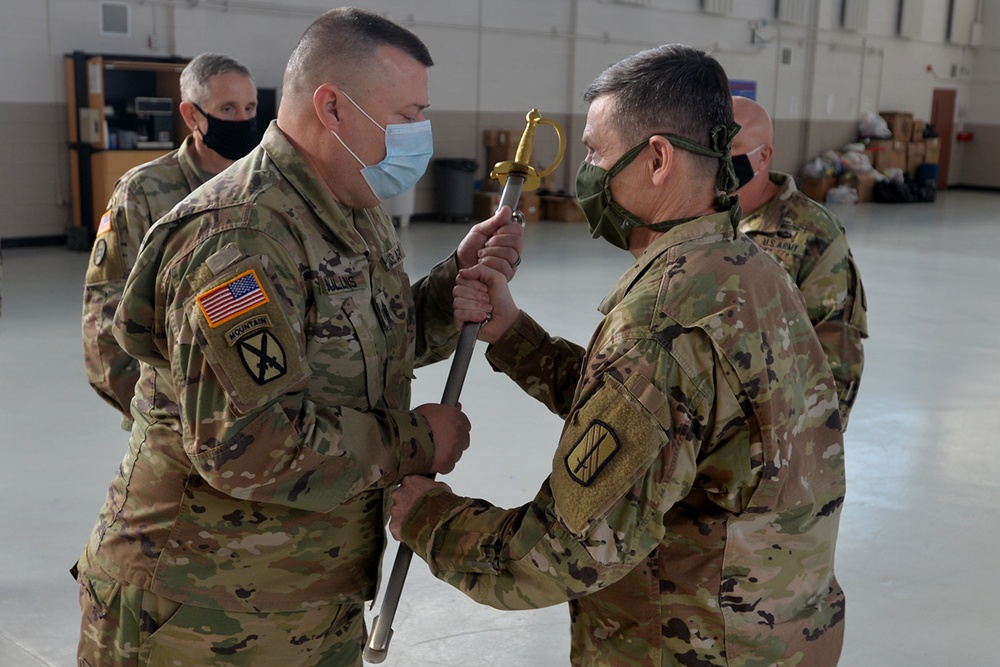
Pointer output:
x,y
743,89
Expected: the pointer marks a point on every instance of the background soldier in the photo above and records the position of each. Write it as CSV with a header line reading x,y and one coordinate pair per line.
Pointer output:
x,y
219,105
278,332
806,239
692,509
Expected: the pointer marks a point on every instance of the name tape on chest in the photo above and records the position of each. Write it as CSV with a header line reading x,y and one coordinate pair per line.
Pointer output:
x,y
232,298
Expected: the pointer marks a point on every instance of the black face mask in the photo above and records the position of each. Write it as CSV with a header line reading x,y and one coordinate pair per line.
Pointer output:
x,y
232,139
744,172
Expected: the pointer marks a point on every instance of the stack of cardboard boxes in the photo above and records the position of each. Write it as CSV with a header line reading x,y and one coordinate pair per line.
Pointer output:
x,y
545,204
908,150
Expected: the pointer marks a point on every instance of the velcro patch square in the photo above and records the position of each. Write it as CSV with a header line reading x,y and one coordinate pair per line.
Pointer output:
x,y
233,298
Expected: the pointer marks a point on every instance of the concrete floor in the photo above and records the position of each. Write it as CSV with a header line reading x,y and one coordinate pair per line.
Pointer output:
x,y
917,535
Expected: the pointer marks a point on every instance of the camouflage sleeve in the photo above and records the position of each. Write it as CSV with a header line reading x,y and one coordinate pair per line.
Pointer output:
x,y
546,367
252,423
436,333
111,372
626,456
837,306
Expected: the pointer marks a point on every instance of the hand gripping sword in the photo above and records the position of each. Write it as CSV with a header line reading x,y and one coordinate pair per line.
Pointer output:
x,y
516,177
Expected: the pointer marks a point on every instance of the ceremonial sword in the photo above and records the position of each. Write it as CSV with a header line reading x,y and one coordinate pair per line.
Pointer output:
x,y
516,177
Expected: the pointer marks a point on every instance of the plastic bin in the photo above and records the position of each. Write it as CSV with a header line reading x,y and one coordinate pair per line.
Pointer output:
x,y
454,183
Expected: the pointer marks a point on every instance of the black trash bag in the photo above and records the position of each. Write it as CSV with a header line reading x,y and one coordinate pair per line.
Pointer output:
x,y
893,192
925,190
908,192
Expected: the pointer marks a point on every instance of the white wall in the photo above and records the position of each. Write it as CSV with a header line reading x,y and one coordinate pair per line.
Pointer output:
x,y
511,55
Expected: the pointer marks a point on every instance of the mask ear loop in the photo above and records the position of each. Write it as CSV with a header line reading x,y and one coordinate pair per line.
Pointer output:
x,y
721,147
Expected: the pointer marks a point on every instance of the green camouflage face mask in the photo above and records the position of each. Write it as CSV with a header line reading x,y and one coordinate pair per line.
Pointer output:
x,y
608,219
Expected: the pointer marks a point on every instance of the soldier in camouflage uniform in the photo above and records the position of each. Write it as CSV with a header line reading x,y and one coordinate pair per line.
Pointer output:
x,y
806,239
691,513
219,105
277,333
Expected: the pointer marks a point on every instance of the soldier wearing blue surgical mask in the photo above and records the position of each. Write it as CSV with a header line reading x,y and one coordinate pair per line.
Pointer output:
x,y
279,332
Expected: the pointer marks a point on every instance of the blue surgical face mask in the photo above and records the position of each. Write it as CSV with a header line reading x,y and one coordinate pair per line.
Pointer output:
x,y
408,149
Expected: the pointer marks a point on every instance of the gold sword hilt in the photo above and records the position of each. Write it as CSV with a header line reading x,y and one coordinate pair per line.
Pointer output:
x,y
521,165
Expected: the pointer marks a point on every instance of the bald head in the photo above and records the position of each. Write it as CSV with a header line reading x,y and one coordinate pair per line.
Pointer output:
x,y
755,126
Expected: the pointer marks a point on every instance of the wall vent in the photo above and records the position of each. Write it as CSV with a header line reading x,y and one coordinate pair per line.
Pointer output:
x,y
115,19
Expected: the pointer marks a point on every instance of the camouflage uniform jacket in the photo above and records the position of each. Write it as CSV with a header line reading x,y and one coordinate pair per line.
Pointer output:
x,y
806,239
277,333
692,509
141,196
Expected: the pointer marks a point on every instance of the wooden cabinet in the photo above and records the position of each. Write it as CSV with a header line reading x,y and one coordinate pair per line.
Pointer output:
x,y
123,111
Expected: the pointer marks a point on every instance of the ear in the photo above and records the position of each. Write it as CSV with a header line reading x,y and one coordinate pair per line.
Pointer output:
x,y
326,102
662,159
766,153
190,115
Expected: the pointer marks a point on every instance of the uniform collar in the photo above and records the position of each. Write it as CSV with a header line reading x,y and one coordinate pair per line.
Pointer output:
x,y
338,219
715,226
768,216
193,174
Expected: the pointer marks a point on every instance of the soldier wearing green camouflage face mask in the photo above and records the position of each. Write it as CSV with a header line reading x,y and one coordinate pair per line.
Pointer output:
x,y
806,239
141,196
691,513
278,331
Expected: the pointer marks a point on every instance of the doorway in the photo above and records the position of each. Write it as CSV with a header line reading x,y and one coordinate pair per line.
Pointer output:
x,y
943,120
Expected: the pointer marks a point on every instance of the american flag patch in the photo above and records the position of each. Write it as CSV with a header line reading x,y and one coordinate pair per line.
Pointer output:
x,y
105,225
233,298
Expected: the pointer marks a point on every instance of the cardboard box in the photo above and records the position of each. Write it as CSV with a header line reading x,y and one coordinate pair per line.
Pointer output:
x,y
816,188
501,145
900,123
914,156
562,209
917,133
863,184
887,154
932,150
485,204
530,206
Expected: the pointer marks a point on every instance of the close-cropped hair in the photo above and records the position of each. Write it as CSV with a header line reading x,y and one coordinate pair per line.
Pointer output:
x,y
341,45
670,88
195,76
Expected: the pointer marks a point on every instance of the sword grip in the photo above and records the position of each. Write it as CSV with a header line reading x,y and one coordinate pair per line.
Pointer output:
x,y
377,647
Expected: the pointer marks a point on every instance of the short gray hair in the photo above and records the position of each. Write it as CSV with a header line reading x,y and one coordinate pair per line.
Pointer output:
x,y
194,77
672,88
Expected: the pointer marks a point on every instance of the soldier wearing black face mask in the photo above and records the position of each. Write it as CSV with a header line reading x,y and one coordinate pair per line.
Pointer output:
x,y
808,241
219,105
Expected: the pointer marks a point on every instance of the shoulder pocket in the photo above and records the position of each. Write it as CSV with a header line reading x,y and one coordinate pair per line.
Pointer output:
x,y
246,334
